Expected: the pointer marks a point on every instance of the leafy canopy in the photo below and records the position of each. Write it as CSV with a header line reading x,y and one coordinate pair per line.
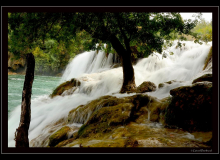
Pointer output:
x,y
148,30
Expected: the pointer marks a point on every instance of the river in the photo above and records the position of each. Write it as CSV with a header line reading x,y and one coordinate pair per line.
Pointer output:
x,y
42,85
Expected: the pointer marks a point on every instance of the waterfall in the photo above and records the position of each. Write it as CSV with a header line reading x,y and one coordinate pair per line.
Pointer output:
x,y
98,78
87,62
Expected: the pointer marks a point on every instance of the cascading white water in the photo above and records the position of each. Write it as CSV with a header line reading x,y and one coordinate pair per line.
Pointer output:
x,y
98,79
87,62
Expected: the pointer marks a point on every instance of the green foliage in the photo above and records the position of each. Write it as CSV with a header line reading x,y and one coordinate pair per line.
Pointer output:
x,y
62,34
46,36
204,30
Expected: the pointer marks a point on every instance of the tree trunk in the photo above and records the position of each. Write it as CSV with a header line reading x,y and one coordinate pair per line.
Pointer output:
x,y
129,85
21,134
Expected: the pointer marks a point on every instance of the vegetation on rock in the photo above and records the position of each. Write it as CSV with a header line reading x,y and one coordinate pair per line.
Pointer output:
x,y
146,86
65,86
124,122
58,136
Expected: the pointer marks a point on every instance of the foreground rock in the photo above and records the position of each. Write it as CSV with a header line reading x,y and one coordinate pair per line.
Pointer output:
x,y
140,121
191,107
127,122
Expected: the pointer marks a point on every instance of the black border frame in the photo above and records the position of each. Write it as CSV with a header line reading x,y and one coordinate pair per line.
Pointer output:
x,y
4,75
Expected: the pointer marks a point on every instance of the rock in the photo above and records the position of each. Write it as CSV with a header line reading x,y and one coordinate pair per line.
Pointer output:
x,y
205,77
161,85
69,91
164,83
103,114
68,85
146,86
16,64
191,107
58,136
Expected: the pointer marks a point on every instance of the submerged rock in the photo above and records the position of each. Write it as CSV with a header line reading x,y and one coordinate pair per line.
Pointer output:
x,y
168,82
146,86
191,107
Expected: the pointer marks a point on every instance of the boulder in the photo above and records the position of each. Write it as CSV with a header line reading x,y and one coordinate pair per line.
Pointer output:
x,y
191,107
58,136
146,86
68,85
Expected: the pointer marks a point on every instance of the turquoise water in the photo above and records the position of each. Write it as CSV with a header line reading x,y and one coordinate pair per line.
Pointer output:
x,y
42,85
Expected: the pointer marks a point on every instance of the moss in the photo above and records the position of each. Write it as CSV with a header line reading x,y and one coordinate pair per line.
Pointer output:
x,y
209,57
65,86
58,136
71,115
146,86
106,118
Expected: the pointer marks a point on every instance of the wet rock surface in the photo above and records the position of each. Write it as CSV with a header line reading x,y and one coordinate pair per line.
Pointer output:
x,y
135,121
191,107
66,88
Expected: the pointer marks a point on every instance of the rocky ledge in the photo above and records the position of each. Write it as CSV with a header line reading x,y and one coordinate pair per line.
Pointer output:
x,y
180,120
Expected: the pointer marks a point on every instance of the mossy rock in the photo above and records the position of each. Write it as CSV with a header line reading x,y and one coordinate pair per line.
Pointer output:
x,y
106,118
146,86
110,112
58,136
65,86
82,113
161,85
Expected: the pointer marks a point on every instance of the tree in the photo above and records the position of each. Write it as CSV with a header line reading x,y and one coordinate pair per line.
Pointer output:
x,y
21,134
118,30
122,30
204,30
